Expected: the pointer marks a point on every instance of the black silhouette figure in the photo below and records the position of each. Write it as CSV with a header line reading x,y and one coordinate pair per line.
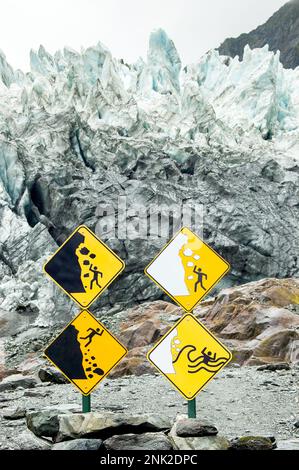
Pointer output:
x,y
96,274
207,357
204,361
91,335
200,276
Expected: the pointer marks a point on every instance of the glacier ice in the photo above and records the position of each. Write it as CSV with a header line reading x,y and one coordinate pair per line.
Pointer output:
x,y
215,99
82,128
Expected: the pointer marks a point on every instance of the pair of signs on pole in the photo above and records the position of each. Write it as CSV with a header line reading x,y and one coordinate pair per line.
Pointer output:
x,y
186,269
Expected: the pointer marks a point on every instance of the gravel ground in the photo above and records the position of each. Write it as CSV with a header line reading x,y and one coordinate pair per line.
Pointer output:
x,y
240,401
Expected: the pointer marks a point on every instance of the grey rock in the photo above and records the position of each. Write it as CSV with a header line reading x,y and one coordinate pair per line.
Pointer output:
x,y
52,375
200,443
26,440
253,443
43,423
17,413
12,322
288,444
79,444
146,441
280,32
13,382
35,393
275,366
296,424
105,425
46,422
195,428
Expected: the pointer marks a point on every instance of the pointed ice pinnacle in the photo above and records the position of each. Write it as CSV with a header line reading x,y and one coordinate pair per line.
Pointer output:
x,y
164,62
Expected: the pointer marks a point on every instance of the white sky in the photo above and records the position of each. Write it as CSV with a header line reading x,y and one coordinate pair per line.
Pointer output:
x,y
124,25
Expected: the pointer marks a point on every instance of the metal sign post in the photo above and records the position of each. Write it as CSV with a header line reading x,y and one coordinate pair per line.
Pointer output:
x,y
192,408
192,405
86,405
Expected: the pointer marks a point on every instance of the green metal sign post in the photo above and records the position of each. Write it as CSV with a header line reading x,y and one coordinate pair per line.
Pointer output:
x,y
192,404
86,408
192,408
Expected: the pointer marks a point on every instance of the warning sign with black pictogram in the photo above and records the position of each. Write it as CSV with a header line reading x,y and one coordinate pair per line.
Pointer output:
x,y
84,266
85,352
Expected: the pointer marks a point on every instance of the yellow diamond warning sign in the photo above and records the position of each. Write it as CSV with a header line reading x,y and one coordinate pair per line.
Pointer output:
x,y
187,269
84,266
189,356
85,352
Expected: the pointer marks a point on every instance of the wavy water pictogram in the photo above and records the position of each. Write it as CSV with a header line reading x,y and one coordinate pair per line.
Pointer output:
x,y
204,361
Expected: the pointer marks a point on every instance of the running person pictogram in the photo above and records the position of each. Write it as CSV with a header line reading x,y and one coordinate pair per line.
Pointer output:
x,y
91,335
96,274
200,276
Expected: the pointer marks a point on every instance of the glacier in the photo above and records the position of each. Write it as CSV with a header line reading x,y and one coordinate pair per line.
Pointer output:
x,y
82,128
217,98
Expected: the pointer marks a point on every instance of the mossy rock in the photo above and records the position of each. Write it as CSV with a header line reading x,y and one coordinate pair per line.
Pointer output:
x,y
253,443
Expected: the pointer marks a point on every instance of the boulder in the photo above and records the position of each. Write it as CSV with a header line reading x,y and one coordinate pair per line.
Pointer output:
x,y
64,426
18,380
194,428
52,375
26,440
146,441
158,311
105,425
79,444
196,434
16,413
253,443
43,423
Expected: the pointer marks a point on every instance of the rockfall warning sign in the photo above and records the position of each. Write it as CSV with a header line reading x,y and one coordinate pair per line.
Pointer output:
x,y
83,267
85,352
187,269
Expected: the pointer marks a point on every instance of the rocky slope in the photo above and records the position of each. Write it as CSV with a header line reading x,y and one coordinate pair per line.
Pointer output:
x,y
280,32
258,321
82,129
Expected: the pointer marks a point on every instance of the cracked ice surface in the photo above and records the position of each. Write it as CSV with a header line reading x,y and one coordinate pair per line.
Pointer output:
x,y
81,129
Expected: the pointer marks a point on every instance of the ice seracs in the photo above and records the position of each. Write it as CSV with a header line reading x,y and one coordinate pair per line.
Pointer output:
x,y
82,128
219,97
